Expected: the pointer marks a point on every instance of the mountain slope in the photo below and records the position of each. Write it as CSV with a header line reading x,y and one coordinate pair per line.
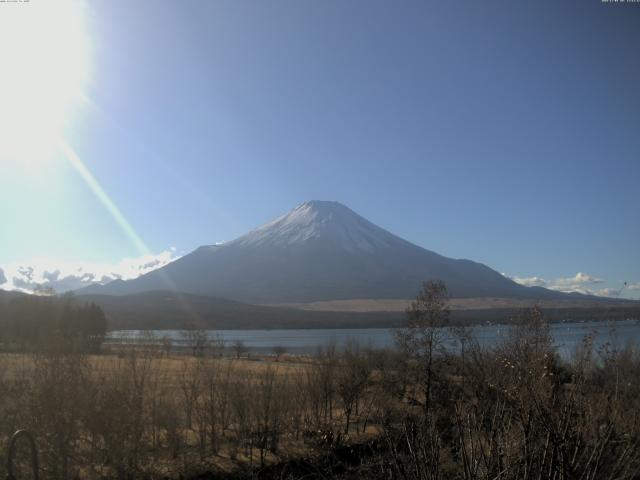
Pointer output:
x,y
320,251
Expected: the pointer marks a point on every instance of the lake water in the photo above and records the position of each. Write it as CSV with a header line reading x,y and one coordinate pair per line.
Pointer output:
x,y
567,336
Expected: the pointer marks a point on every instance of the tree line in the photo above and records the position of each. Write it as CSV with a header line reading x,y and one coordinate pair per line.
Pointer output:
x,y
33,322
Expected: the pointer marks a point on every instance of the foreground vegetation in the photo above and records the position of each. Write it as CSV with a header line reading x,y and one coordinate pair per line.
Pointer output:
x,y
513,411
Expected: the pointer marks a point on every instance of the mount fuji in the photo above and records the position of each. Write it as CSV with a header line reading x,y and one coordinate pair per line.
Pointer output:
x,y
320,251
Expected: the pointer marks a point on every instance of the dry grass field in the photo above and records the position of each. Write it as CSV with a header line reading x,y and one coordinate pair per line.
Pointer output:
x,y
400,305
511,411
145,413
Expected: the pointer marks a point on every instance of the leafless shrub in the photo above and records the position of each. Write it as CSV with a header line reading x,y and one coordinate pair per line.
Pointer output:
x,y
58,399
352,379
509,411
196,341
423,336
279,350
239,348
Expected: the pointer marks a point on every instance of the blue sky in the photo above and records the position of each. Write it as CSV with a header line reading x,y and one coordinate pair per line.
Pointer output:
x,y
505,132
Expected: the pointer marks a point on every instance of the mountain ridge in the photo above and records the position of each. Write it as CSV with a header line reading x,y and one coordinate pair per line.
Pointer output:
x,y
320,250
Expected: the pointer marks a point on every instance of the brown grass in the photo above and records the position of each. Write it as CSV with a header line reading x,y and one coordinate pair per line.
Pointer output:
x,y
514,408
400,305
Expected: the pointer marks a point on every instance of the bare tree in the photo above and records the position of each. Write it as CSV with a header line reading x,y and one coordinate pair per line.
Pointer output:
x,y
239,348
352,379
217,344
268,408
423,335
279,350
197,341
190,387
58,401
167,345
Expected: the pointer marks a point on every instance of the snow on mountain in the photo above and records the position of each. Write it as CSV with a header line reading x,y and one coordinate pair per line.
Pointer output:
x,y
321,220
320,251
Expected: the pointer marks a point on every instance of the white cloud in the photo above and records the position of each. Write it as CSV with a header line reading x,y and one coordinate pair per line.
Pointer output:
x,y
608,292
633,286
530,281
581,283
63,276
574,282
578,283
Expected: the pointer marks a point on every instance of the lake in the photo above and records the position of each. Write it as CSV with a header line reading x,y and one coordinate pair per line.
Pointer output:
x,y
567,336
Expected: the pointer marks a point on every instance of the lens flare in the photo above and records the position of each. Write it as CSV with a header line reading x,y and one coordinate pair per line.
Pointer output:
x,y
44,52
106,201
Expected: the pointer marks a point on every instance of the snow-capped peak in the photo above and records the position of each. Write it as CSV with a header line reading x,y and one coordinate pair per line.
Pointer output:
x,y
319,220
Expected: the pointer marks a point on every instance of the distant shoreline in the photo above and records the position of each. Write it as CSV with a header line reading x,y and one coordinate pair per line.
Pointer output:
x,y
567,336
373,320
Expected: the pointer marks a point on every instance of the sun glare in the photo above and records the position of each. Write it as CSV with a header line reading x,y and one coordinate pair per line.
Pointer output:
x,y
43,47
